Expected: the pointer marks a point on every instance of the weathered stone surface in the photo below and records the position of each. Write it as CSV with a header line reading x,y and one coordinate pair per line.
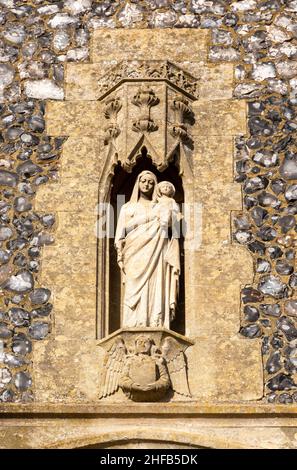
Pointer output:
x,y
267,217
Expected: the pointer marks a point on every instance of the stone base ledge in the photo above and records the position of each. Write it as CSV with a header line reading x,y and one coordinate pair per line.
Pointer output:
x,y
115,409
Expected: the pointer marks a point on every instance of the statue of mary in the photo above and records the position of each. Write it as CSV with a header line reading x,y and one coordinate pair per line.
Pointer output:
x,y
149,259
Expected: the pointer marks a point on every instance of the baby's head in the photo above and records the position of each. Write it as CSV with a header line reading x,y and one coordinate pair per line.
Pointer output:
x,y
165,188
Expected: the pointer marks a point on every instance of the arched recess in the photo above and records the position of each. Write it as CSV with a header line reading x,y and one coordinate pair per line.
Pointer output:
x,y
125,438
116,181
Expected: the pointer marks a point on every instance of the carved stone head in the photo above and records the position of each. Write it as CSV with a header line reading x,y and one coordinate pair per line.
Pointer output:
x,y
143,344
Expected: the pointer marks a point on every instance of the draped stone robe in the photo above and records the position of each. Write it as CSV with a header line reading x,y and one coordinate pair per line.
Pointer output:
x,y
151,263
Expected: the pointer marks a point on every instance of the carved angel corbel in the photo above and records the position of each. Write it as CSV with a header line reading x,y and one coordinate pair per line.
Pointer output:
x,y
146,373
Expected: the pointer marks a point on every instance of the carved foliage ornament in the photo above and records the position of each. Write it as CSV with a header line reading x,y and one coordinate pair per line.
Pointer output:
x,y
148,70
145,98
183,115
112,107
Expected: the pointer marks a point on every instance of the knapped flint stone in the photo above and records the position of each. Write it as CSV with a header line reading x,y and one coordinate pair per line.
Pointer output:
x,y
277,342
7,396
251,313
21,282
272,310
288,168
48,220
267,233
273,363
39,296
6,74
251,295
36,123
263,266
5,376
281,382
39,330
285,398
255,184
265,345
266,158
19,316
5,332
265,322
34,252
266,199
14,33
5,272
226,54
22,380
293,280
4,256
230,19
278,186
22,204
272,286
7,178
291,193
21,345
5,233
257,247
290,254
250,201
291,362
13,133
287,327
27,397
248,90
274,252
242,222
291,308
287,68
15,361
29,139
61,40
255,107
243,236
251,331
45,239
271,397
43,311
283,267
287,222
254,143
34,266
43,89
258,126
28,169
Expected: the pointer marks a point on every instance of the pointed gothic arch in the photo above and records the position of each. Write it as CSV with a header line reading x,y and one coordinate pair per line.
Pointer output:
x,y
119,182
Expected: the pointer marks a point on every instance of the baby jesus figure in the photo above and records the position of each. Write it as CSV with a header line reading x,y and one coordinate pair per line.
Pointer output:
x,y
167,209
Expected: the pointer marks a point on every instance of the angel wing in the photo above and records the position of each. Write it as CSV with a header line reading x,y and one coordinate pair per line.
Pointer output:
x,y
174,355
112,368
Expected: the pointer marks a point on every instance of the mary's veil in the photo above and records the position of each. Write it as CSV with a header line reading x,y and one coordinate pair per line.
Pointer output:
x,y
135,193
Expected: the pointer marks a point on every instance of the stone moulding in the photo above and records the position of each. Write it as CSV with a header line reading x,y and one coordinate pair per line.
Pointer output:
x,y
153,70
173,408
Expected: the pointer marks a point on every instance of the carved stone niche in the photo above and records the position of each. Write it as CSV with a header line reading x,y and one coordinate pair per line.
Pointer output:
x,y
147,110
146,364
147,106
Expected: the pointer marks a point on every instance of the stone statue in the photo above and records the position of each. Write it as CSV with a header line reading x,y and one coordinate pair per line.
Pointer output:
x,y
145,373
148,253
